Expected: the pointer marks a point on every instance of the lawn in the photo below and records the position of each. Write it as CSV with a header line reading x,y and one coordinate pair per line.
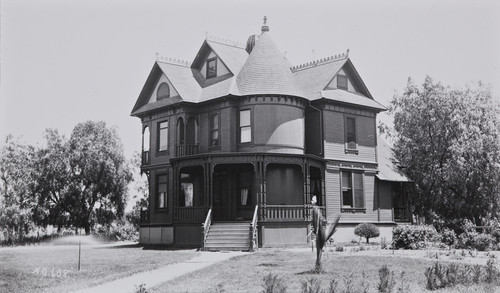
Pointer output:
x,y
55,268
356,270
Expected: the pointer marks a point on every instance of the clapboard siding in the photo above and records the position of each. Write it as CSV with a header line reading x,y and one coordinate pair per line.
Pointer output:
x,y
313,133
332,185
333,195
371,213
226,124
204,132
385,198
334,137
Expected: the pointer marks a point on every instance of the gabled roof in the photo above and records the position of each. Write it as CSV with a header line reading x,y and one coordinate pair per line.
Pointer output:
x,y
266,71
181,78
233,56
351,98
314,77
388,170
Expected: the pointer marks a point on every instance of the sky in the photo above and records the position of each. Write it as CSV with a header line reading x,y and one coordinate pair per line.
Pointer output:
x,y
64,62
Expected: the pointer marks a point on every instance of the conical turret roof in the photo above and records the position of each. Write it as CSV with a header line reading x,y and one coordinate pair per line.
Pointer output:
x,y
266,71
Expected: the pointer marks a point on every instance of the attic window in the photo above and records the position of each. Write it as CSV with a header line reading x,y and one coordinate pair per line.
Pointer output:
x,y
342,82
163,91
211,68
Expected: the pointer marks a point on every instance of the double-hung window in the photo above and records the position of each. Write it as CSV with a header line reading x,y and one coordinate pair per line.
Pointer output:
x,y
245,126
214,130
163,136
352,191
161,191
350,134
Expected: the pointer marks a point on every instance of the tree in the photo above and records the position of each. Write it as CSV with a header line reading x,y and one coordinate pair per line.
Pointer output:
x,y
141,189
367,230
16,171
447,140
83,181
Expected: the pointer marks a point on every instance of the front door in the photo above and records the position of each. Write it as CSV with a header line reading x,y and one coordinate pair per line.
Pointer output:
x,y
221,204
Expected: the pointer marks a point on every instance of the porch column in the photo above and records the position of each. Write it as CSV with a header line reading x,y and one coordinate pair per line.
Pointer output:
x,y
307,187
207,182
259,189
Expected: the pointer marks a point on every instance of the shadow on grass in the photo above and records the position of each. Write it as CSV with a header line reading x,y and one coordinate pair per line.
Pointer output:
x,y
311,272
144,247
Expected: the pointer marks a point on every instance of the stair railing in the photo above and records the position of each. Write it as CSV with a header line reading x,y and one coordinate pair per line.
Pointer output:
x,y
254,231
206,228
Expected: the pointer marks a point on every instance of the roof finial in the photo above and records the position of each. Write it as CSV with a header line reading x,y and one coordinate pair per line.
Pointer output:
x,y
347,53
265,27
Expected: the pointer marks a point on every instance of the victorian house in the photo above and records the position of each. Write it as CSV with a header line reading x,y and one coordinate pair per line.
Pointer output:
x,y
237,143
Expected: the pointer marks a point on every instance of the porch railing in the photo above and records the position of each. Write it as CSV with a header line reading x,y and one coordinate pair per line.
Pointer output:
x,y
206,227
144,217
182,150
253,230
402,215
190,214
289,212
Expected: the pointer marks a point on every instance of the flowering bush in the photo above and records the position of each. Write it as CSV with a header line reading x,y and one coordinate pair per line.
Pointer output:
x,y
483,242
448,237
412,236
466,239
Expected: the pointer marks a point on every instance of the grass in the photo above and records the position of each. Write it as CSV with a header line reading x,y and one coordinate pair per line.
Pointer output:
x,y
55,268
246,273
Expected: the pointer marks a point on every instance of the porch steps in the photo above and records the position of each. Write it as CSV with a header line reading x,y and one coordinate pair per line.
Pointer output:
x,y
227,236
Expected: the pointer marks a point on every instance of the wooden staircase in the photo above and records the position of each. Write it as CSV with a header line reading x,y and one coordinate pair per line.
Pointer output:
x,y
235,236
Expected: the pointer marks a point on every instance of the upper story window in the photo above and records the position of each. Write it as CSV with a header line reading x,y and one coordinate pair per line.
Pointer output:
x,y
245,126
352,190
214,130
211,68
145,145
342,82
163,91
350,133
163,136
161,191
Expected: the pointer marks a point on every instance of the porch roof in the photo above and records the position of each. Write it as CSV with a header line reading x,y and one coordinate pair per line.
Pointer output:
x,y
388,170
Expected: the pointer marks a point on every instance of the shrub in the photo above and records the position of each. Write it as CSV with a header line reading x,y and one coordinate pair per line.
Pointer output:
x,y
386,280
273,284
483,241
412,236
448,237
366,230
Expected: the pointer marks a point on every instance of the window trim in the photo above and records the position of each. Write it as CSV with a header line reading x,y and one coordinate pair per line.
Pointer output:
x,y
211,130
158,139
157,194
353,208
208,76
348,150
250,125
346,88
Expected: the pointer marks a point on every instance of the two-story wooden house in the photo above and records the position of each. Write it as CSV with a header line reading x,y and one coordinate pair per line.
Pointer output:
x,y
237,143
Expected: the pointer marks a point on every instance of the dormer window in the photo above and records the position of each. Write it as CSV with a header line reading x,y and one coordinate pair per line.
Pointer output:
x,y
211,68
342,82
163,91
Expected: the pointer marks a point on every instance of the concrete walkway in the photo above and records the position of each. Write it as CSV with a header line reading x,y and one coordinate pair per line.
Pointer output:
x,y
164,274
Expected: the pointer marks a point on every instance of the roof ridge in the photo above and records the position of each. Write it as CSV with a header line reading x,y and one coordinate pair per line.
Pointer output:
x,y
321,61
173,61
223,41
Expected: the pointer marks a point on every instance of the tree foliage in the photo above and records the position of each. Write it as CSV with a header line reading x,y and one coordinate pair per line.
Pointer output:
x,y
367,230
448,141
141,191
82,180
16,171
